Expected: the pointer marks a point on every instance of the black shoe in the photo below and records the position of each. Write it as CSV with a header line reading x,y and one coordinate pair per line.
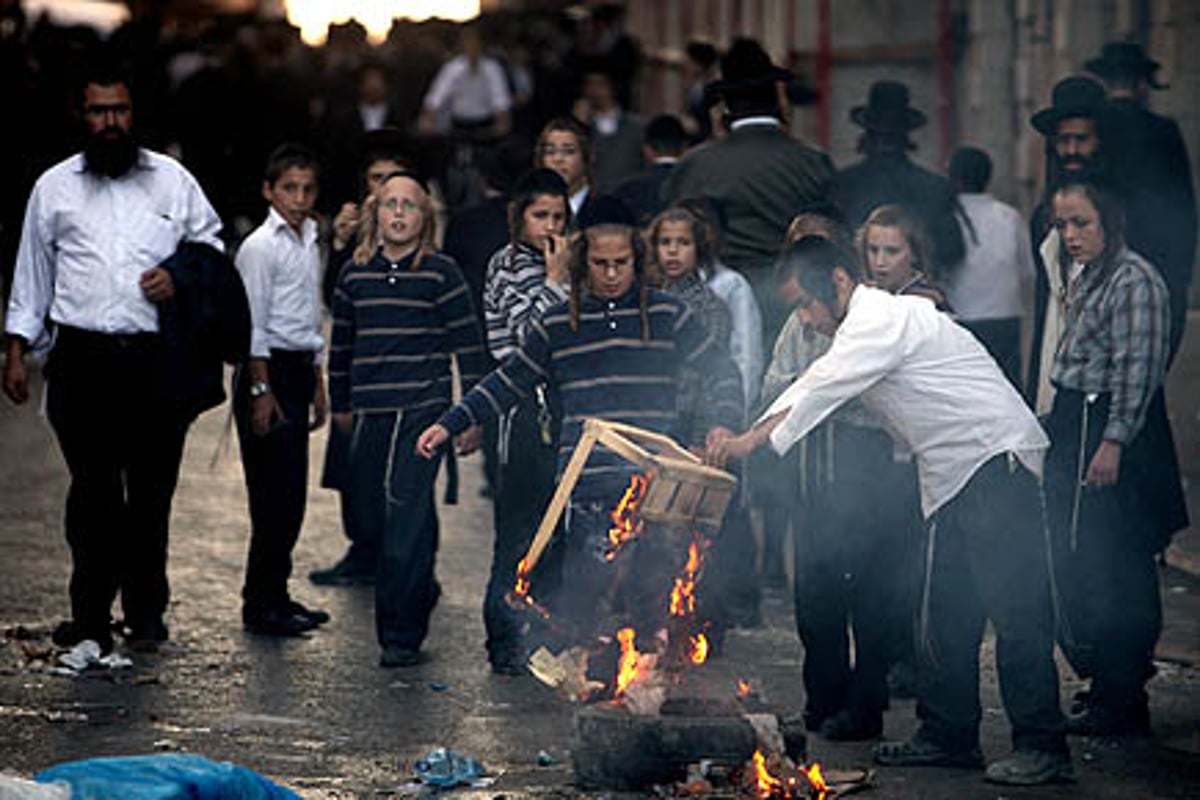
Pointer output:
x,y
1098,719
847,726
396,656
1032,768
356,571
512,667
146,636
315,615
921,752
276,622
68,633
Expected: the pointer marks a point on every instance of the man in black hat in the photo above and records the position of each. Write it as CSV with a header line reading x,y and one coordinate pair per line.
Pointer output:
x,y
1151,170
887,175
663,142
758,175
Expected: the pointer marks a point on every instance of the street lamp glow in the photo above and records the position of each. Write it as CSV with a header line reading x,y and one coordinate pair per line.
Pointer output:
x,y
313,17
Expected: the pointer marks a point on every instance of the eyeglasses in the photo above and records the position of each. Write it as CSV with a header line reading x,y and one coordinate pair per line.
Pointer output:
x,y
407,206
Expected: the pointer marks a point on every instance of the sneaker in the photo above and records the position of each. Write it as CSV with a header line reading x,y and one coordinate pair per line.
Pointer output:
x,y
396,656
275,622
1032,768
921,752
316,616
349,571
847,726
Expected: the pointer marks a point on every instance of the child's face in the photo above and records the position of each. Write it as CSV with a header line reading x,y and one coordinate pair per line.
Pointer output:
x,y
561,152
545,216
378,170
293,194
611,268
400,217
675,249
889,257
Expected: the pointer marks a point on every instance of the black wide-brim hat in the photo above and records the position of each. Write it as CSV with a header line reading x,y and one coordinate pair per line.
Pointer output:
x,y
887,110
747,66
1076,96
1125,59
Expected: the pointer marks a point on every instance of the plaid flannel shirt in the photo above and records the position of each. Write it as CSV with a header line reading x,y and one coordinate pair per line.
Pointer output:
x,y
1116,339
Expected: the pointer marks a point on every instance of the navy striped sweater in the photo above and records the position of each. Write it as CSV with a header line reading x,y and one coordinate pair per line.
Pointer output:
x,y
394,330
605,370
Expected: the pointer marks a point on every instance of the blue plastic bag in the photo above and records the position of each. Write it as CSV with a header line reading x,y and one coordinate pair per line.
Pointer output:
x,y
165,776
444,768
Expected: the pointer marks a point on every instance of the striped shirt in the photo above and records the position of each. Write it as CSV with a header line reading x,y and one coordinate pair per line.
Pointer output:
x,y
1116,339
605,370
394,330
515,291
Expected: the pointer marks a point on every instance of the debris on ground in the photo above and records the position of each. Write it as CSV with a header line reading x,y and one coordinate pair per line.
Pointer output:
x,y
164,776
87,655
444,768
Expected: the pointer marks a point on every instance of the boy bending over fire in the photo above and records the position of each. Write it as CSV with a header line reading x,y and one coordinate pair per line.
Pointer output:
x,y
613,350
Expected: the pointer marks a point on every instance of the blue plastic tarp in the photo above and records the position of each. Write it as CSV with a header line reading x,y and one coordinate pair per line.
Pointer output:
x,y
165,776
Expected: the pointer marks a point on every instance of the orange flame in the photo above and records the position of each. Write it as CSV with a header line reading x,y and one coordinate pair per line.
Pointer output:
x,y
627,522
817,780
627,667
743,689
522,587
683,595
768,784
699,649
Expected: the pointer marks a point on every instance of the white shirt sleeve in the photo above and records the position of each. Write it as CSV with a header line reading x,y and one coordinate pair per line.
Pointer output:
x,y
443,83
868,345
746,344
201,223
255,267
33,274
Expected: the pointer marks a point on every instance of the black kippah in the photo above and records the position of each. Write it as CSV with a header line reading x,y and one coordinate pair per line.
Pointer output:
x,y
540,181
606,210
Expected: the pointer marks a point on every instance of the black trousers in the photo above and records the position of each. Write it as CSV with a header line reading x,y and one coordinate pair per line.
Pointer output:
x,y
988,559
391,488
335,474
275,466
525,482
856,568
122,440
1105,544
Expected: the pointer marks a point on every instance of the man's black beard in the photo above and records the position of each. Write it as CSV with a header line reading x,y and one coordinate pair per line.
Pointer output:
x,y
110,155
1091,171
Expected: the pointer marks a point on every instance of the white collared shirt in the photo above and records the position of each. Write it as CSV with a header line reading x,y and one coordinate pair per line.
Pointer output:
x,y
281,271
928,380
763,120
998,262
87,240
469,94
578,199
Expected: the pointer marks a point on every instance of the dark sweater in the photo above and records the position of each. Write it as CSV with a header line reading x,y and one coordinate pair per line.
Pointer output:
x,y
605,370
394,330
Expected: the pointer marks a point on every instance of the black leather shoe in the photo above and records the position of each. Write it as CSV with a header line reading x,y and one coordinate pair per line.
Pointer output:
x,y
316,615
846,726
146,636
347,572
396,656
69,633
1100,720
275,622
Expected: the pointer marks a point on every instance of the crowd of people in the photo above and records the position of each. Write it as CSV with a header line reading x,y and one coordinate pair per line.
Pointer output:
x,y
847,340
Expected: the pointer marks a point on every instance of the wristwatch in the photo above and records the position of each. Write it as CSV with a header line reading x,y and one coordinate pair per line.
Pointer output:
x,y
259,388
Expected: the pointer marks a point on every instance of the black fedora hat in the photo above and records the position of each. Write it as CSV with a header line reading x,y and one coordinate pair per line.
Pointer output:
x,y
746,66
1125,59
887,110
1076,96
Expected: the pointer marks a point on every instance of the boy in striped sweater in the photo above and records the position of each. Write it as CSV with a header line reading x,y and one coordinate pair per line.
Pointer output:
x,y
400,311
613,350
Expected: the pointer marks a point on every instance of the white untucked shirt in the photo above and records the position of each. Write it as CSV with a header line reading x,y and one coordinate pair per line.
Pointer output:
x,y
999,259
928,380
470,94
87,240
281,271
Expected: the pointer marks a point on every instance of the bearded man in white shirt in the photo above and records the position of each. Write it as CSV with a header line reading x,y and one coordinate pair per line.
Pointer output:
x,y
97,230
979,453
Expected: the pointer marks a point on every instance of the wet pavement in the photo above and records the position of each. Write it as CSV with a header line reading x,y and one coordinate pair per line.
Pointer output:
x,y
319,715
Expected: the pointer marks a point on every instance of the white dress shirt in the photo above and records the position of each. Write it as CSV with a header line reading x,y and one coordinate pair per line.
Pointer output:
x,y
281,271
999,259
578,199
930,382
745,339
469,94
88,239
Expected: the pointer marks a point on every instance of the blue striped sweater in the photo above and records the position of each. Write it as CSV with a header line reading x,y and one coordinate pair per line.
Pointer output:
x,y
394,330
605,370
